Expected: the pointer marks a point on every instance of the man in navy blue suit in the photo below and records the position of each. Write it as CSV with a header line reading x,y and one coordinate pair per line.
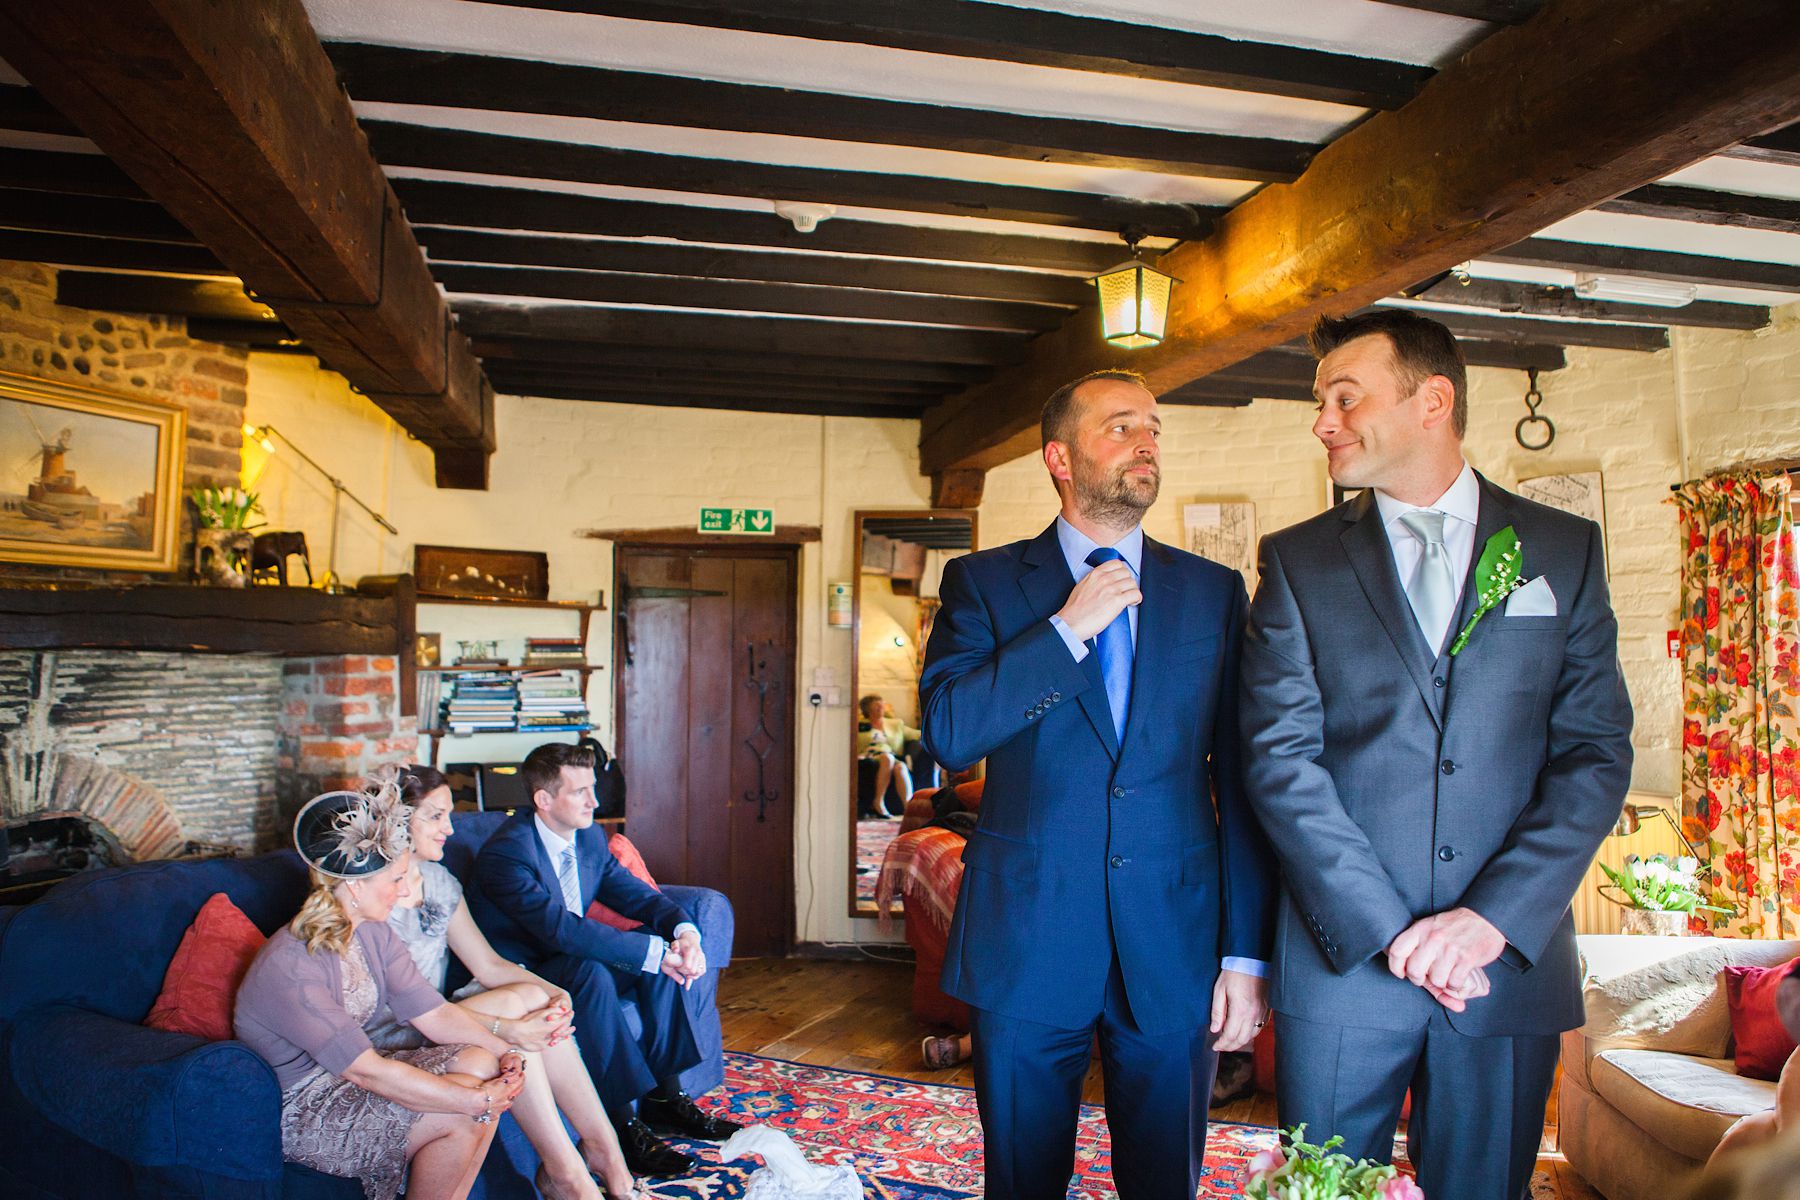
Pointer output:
x,y
534,881
1117,882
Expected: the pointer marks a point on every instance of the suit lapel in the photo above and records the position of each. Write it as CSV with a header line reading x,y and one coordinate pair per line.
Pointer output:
x,y
1046,582
1372,558
545,868
1157,629
1494,514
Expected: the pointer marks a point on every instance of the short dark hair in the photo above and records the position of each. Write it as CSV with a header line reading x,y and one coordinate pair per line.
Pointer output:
x,y
1059,410
418,782
542,768
871,698
1422,348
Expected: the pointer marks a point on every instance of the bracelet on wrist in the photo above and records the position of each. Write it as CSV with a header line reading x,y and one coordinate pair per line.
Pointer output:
x,y
487,1110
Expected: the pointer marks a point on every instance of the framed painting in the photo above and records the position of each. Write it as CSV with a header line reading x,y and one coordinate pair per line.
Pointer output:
x,y
88,478
459,571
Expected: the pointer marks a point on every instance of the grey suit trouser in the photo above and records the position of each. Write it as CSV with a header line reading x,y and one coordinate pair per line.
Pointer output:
x,y
1477,1102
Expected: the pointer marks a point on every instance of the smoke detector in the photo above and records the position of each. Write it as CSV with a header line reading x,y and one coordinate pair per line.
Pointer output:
x,y
804,214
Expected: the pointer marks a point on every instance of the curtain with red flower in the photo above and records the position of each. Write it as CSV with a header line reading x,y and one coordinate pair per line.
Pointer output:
x,y
1740,776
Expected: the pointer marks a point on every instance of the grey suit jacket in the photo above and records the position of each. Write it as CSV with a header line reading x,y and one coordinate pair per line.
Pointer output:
x,y
1393,786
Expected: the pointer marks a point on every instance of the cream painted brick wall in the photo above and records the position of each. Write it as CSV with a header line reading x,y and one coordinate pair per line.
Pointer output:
x,y
1741,393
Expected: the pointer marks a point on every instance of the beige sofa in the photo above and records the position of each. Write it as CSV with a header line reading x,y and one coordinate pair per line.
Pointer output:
x,y
1648,1086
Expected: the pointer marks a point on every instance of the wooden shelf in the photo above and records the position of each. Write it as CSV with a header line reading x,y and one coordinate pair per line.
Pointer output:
x,y
444,734
504,602
587,669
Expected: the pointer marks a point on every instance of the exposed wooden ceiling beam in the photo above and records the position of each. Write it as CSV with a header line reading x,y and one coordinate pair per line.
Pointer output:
x,y
1494,327
438,202
1506,140
737,295
223,299
774,266
1771,213
62,171
275,180
76,250
765,335
25,109
256,335
1649,264
92,216
1782,147
402,75
810,408
495,352
1047,39
405,145
1499,12
705,383
1548,300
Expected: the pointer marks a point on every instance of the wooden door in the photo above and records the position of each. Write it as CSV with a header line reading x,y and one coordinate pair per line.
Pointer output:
x,y
704,650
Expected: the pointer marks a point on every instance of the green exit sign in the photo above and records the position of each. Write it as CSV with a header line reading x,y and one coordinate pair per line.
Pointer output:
x,y
737,520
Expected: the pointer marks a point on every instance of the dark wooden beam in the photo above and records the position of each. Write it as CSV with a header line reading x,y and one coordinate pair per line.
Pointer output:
x,y
1291,363
76,250
62,171
959,488
1708,207
763,335
224,299
1047,39
1201,393
275,180
1649,264
1508,139
1493,327
480,206
1548,300
24,109
257,335
404,145
793,387
1512,356
260,620
402,75
1781,147
722,262
497,352
811,408
1499,12
737,295
90,216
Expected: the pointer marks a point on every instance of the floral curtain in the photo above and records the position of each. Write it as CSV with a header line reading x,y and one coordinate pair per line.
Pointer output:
x,y
1740,774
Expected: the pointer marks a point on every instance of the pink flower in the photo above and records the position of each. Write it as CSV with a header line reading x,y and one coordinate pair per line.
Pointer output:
x,y
1266,1162
1401,1187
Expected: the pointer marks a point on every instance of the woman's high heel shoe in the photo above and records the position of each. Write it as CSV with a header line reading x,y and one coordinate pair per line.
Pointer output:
x,y
638,1190
547,1187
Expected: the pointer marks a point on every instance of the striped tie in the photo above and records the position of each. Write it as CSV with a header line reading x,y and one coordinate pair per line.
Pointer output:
x,y
571,883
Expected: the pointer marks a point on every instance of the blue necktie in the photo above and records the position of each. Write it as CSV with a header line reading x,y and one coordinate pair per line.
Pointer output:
x,y
1114,648
570,880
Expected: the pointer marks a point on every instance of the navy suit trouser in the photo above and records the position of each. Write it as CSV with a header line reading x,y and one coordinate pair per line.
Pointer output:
x,y
1028,1081
624,1067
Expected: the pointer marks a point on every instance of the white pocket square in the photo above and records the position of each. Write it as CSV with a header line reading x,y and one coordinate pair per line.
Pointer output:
x,y
1535,599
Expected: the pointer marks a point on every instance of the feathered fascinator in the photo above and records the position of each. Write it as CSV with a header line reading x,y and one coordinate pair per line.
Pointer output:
x,y
347,835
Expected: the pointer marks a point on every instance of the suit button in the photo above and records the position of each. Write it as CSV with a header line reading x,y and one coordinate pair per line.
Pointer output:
x,y
1447,767
1445,853
1118,793
1117,861
1056,697
1438,682
1030,713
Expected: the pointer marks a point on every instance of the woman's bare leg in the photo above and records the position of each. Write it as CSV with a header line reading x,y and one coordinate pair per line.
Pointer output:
x,y
574,1090
884,772
446,1149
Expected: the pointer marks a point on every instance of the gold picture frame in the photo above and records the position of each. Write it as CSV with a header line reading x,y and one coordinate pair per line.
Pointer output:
x,y
89,478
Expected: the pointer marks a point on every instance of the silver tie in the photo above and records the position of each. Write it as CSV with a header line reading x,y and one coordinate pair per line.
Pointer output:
x,y
571,883
1433,587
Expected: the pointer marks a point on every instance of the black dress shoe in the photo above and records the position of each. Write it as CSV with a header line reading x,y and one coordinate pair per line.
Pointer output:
x,y
647,1154
683,1116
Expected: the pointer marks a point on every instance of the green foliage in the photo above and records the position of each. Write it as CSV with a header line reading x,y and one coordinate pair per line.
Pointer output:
x,y
226,508
1659,883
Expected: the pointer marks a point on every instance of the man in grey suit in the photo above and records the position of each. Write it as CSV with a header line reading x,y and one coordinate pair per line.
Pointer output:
x,y
1434,800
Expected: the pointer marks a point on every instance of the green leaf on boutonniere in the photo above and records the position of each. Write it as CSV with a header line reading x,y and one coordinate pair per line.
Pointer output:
x,y
1498,575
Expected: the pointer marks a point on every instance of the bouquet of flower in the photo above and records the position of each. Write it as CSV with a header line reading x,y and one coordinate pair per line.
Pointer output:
x,y
1660,884
226,508
1301,1171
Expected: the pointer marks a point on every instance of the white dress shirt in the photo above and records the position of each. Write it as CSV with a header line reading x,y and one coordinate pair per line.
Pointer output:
x,y
1076,546
1460,504
554,845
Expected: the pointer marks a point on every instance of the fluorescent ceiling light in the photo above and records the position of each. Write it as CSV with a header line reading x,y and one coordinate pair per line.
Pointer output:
x,y
1662,293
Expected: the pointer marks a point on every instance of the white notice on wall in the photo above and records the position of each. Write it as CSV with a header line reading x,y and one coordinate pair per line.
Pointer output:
x,y
1581,494
1224,532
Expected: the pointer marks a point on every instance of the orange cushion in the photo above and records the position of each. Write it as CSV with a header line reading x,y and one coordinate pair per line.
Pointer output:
x,y
632,861
203,977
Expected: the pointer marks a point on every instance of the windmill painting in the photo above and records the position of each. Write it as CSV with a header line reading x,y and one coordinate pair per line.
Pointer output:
x,y
87,478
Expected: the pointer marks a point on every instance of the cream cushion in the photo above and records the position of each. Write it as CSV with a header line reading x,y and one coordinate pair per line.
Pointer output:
x,y
1684,1101
1663,993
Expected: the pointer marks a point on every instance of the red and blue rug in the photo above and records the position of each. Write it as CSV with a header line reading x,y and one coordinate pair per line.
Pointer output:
x,y
907,1140
872,838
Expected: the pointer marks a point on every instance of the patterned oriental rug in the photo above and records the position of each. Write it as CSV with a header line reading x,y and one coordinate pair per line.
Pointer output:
x,y
907,1140
872,838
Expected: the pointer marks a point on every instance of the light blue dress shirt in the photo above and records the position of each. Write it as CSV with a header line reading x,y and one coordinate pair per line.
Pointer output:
x,y
554,846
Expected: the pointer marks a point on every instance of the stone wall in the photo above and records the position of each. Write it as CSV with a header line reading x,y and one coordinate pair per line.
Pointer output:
x,y
146,356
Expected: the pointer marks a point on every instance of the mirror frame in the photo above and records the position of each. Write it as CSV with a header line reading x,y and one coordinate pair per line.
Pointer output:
x,y
856,597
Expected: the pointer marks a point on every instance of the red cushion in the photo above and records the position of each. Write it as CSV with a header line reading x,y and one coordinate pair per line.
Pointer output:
x,y
203,977
632,861
1763,1043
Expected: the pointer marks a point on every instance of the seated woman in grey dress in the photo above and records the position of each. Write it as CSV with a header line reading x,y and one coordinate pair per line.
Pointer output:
x,y
518,1006
320,983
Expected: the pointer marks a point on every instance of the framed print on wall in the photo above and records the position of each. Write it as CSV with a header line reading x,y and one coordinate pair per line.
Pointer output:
x,y
88,478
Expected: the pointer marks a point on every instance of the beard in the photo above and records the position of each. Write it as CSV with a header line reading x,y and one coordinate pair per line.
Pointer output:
x,y
1115,498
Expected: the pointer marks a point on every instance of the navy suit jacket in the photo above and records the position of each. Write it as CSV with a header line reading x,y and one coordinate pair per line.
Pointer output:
x,y
1086,848
517,901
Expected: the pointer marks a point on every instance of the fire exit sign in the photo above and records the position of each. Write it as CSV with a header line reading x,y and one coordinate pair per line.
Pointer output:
x,y
737,520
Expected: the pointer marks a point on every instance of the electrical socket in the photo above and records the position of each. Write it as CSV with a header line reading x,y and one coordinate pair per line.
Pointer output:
x,y
815,698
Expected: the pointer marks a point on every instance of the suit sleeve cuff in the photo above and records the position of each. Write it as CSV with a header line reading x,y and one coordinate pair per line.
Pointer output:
x,y
1076,646
654,956
1246,966
684,927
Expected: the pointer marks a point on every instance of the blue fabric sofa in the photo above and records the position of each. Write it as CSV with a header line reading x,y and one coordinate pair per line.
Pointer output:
x,y
93,1104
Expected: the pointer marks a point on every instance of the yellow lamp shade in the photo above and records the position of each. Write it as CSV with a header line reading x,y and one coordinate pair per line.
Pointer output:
x,y
1134,304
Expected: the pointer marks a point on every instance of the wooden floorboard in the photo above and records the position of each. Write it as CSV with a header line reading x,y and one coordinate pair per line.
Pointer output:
x,y
857,1016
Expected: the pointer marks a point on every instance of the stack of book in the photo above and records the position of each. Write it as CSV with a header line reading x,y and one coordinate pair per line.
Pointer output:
x,y
551,700
482,702
555,652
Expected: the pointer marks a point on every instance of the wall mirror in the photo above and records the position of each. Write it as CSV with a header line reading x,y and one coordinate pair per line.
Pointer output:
x,y
900,561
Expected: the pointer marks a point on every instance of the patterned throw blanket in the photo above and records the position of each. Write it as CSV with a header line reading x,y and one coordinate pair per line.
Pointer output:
x,y
925,866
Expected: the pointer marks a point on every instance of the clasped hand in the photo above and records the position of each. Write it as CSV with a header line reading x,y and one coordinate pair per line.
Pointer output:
x,y
683,959
544,1028
505,1087
1445,953
1108,590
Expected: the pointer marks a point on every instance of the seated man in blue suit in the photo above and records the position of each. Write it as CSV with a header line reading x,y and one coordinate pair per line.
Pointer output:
x,y
1117,882
534,880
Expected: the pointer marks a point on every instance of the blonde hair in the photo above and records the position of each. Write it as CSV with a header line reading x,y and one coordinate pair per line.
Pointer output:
x,y
322,922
